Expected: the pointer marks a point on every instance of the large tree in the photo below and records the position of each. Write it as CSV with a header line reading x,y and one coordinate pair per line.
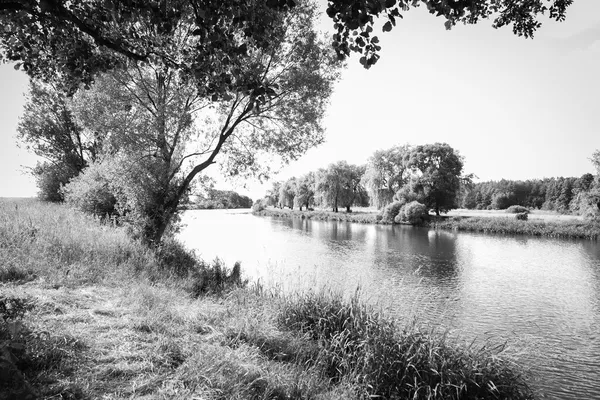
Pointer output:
x,y
338,185
436,176
161,119
386,172
81,38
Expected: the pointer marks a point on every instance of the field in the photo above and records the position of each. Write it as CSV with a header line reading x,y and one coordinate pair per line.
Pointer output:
x,y
541,215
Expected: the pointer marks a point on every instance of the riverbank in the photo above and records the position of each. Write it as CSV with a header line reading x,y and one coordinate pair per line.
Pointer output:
x,y
88,313
361,217
492,222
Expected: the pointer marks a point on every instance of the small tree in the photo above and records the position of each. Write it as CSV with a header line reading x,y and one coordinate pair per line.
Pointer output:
x,y
305,191
287,193
385,173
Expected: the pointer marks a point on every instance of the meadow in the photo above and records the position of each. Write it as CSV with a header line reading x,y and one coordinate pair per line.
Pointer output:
x,y
86,312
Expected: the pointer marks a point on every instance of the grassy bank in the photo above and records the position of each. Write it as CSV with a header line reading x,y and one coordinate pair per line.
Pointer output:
x,y
87,313
358,217
575,229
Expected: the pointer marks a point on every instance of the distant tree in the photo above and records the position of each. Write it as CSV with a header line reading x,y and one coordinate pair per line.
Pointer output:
x,y
386,172
272,196
437,170
338,185
305,191
287,193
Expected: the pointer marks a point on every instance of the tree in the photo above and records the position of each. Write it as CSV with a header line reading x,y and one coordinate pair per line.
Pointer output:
x,y
305,191
386,172
287,193
48,128
437,170
159,119
339,185
80,39
272,195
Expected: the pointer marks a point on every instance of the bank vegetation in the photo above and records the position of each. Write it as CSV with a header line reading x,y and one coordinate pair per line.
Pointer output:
x,y
87,312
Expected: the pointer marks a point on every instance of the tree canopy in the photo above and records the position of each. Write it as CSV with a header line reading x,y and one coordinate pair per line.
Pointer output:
x,y
79,39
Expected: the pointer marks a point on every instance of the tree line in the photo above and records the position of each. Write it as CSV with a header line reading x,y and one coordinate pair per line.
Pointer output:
x,y
430,174
565,195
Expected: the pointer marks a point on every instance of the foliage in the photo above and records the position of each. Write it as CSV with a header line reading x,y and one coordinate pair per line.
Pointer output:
x,y
259,205
50,179
272,195
92,191
517,209
287,193
414,213
216,199
359,345
522,216
565,195
305,191
386,172
48,128
438,175
339,185
389,213
354,20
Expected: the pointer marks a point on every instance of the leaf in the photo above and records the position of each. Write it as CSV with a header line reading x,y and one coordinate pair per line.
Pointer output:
x,y
390,3
387,26
17,66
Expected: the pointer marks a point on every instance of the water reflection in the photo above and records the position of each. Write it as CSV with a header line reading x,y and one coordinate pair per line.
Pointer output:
x,y
542,296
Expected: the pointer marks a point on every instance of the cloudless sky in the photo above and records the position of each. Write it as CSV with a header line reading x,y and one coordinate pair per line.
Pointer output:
x,y
515,108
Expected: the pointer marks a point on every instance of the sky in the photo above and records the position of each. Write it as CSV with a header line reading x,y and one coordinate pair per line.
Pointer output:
x,y
515,108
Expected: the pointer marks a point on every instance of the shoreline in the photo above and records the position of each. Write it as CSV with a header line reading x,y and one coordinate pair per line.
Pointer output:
x,y
87,312
499,224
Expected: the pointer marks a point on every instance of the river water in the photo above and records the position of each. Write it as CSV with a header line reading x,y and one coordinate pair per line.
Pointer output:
x,y
539,296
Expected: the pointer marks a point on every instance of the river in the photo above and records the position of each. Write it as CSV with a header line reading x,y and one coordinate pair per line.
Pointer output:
x,y
539,296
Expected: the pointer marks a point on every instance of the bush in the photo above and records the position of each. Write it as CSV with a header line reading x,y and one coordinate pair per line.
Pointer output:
x,y
414,213
258,206
91,191
389,213
517,210
50,179
522,216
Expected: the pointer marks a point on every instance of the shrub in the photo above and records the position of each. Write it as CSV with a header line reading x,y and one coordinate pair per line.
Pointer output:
x,y
389,213
91,191
522,216
259,205
517,210
414,213
50,178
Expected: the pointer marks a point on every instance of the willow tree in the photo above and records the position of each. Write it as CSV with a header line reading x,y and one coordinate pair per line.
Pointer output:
x,y
165,127
386,172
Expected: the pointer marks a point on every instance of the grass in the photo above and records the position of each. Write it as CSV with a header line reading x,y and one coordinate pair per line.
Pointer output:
x,y
576,229
120,325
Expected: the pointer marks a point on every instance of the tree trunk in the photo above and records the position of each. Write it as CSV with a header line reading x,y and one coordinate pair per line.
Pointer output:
x,y
348,209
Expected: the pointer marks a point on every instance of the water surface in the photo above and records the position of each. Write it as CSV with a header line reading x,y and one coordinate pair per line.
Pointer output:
x,y
540,296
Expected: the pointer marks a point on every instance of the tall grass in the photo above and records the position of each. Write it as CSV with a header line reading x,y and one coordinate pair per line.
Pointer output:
x,y
509,226
363,347
60,244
